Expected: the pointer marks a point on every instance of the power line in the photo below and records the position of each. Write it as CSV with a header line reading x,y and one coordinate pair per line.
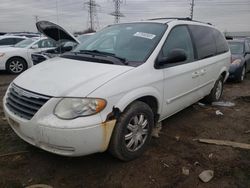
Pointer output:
x,y
192,10
117,13
93,22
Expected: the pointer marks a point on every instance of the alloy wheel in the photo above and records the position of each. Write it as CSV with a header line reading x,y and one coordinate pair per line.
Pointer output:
x,y
137,132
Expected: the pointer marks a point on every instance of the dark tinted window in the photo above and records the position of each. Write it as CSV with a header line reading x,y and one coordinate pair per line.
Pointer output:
x,y
204,41
7,41
18,40
179,38
221,43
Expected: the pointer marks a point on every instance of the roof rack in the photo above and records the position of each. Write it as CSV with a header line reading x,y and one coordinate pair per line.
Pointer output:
x,y
178,18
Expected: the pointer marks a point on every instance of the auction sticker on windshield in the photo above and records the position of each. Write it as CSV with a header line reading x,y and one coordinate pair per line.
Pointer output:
x,y
144,35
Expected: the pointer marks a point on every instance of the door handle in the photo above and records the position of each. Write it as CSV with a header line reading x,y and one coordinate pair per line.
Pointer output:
x,y
203,71
195,74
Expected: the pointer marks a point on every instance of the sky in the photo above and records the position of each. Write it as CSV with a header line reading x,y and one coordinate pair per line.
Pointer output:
x,y
19,15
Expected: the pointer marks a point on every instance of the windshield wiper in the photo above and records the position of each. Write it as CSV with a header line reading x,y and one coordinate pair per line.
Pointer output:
x,y
97,52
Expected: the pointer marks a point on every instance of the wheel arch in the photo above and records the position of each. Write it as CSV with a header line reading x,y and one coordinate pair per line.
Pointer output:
x,y
147,95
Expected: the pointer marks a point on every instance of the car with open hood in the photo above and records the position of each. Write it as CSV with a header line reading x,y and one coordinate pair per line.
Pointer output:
x,y
17,58
110,92
65,40
240,63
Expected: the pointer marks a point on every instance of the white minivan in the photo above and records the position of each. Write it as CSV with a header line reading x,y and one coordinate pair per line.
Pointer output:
x,y
110,91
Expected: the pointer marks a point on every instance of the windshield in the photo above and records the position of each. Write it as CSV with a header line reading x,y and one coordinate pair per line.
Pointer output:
x,y
133,42
84,37
25,43
236,47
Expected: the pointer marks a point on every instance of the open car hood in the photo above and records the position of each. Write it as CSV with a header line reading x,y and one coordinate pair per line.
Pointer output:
x,y
55,32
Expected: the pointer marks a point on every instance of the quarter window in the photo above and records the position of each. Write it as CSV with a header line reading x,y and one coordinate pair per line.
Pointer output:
x,y
7,41
221,43
204,41
179,38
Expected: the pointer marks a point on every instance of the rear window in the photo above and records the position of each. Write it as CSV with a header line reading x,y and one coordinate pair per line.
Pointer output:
x,y
204,41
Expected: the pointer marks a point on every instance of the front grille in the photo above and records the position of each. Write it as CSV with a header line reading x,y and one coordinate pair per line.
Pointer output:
x,y
24,103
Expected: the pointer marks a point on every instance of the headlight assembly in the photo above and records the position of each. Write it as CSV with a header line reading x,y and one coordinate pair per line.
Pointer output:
x,y
236,62
71,108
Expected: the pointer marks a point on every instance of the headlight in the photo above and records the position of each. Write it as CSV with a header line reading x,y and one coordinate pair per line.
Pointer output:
x,y
71,108
2,54
236,62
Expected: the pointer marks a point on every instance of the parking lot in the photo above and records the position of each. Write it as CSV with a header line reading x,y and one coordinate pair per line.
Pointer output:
x,y
160,166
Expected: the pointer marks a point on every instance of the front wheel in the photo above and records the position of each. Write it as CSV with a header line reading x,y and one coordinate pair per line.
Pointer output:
x,y
216,92
132,132
16,65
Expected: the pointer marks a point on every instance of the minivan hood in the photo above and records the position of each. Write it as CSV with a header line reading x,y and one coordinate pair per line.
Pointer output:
x,y
61,77
55,32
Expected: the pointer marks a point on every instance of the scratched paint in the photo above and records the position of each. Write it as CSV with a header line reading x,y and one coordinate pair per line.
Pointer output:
x,y
108,127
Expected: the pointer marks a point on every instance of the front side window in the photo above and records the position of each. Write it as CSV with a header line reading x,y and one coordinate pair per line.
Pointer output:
x,y
204,41
25,43
179,38
133,42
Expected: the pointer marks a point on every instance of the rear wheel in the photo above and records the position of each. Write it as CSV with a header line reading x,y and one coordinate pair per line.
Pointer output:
x,y
216,92
132,132
16,65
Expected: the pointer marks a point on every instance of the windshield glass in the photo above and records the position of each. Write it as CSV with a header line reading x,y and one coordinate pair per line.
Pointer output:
x,y
133,42
236,47
25,43
84,37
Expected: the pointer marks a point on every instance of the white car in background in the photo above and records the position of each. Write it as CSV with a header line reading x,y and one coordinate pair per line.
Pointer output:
x,y
7,40
17,59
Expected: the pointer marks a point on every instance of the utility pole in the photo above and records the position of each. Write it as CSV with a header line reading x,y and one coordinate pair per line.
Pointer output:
x,y
92,14
117,14
36,18
192,10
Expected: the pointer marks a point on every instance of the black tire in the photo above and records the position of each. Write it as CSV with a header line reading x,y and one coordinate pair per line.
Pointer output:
x,y
16,65
214,96
241,76
119,147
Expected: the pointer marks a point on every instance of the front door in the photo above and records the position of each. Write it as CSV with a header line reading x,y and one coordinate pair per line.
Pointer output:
x,y
181,79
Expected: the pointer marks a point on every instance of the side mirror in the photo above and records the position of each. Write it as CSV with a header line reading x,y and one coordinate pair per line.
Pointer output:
x,y
67,48
35,46
174,56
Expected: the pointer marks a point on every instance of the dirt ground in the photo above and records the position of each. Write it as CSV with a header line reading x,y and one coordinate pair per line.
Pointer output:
x,y
160,166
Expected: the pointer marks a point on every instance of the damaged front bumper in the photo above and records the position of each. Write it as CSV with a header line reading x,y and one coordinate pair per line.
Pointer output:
x,y
78,137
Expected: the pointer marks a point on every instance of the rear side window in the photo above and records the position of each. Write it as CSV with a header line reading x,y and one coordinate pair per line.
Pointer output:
x,y
18,40
204,41
221,43
7,41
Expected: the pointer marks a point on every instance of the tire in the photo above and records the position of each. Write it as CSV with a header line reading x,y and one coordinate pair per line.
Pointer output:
x,y
216,92
242,74
16,65
132,132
